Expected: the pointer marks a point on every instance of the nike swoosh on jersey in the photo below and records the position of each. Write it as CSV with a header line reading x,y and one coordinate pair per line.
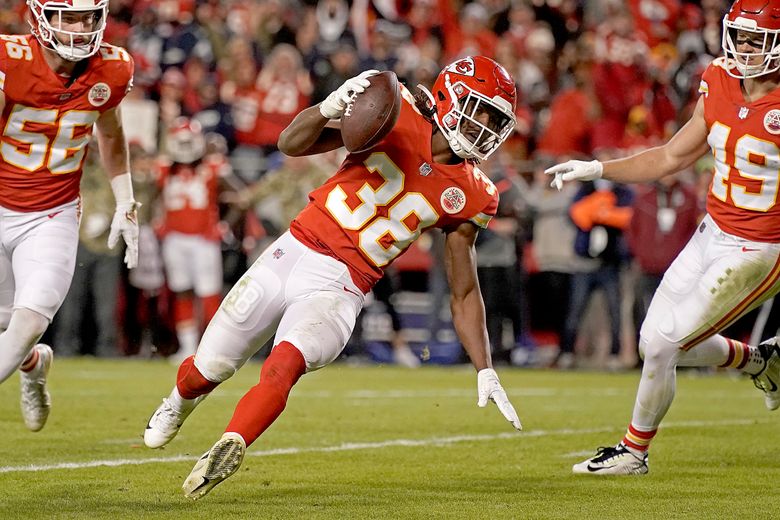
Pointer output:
x,y
52,215
350,290
748,249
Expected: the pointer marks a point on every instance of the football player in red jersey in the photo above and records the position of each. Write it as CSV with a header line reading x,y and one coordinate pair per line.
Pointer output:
x,y
732,263
308,287
190,234
55,84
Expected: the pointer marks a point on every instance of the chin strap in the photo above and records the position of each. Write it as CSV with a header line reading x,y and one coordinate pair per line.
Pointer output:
x,y
431,100
454,144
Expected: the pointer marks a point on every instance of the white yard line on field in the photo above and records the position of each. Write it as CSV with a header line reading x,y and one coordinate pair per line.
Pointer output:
x,y
351,446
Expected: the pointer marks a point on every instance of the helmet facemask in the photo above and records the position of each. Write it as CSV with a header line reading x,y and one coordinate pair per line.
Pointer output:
x,y
765,41
185,143
50,17
463,126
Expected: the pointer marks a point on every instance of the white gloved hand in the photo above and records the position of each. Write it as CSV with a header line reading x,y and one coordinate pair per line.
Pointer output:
x,y
575,171
125,223
334,105
488,387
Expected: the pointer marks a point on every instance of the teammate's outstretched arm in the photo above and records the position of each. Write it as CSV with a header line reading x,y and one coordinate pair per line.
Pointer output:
x,y
116,159
468,317
682,150
315,130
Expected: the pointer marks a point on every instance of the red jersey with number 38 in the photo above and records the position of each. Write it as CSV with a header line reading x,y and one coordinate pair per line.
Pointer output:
x,y
381,200
745,140
46,123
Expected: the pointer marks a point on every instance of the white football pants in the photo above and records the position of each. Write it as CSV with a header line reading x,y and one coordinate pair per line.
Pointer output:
x,y
715,279
298,295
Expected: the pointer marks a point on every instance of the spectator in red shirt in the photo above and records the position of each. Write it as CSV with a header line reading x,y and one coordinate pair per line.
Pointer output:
x,y
665,215
572,114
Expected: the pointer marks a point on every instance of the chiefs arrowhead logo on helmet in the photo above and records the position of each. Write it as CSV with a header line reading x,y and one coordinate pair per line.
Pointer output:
x,y
474,100
464,66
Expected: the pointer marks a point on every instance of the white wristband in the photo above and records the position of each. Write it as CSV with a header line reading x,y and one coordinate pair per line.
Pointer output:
x,y
122,186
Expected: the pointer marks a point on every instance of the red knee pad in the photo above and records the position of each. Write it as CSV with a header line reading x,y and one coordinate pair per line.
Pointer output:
x,y
284,366
190,382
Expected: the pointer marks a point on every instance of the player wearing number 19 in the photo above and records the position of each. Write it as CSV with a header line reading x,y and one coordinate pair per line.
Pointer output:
x,y
308,287
54,86
732,263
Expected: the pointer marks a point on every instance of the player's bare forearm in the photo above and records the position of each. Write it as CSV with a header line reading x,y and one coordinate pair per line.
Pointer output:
x,y
309,134
468,309
468,317
649,165
112,143
682,150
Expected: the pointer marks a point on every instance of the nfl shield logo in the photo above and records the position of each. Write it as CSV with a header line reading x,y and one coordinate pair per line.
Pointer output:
x,y
278,253
425,169
743,112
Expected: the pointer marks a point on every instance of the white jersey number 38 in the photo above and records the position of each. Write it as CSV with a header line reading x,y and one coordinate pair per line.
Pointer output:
x,y
376,230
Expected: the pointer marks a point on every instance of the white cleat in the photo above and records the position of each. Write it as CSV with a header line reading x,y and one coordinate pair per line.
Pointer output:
x,y
403,355
613,460
768,380
165,423
217,464
35,400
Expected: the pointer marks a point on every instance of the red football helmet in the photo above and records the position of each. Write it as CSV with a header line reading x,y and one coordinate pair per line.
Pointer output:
x,y
757,23
49,17
463,93
185,143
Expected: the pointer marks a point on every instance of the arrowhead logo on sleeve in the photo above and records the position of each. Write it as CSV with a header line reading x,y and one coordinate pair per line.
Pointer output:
x,y
99,94
772,122
453,200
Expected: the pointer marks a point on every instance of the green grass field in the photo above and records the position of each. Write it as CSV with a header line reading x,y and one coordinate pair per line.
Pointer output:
x,y
382,442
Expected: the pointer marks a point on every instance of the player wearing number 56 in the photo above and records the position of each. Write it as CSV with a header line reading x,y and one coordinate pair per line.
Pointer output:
x,y
732,263
55,85
308,287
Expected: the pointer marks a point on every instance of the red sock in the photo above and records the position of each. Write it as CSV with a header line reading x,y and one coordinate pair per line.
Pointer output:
x,y
210,305
183,309
190,382
30,361
260,407
638,439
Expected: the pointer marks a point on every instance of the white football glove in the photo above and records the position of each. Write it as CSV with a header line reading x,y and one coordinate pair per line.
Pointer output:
x,y
575,171
125,223
488,387
334,105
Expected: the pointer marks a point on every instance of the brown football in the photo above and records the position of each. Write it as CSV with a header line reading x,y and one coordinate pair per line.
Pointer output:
x,y
371,115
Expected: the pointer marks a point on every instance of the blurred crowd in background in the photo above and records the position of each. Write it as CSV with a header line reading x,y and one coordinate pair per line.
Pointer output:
x,y
566,276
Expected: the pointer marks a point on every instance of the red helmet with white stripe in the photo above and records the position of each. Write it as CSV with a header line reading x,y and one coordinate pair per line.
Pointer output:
x,y
72,28
474,100
185,143
755,23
